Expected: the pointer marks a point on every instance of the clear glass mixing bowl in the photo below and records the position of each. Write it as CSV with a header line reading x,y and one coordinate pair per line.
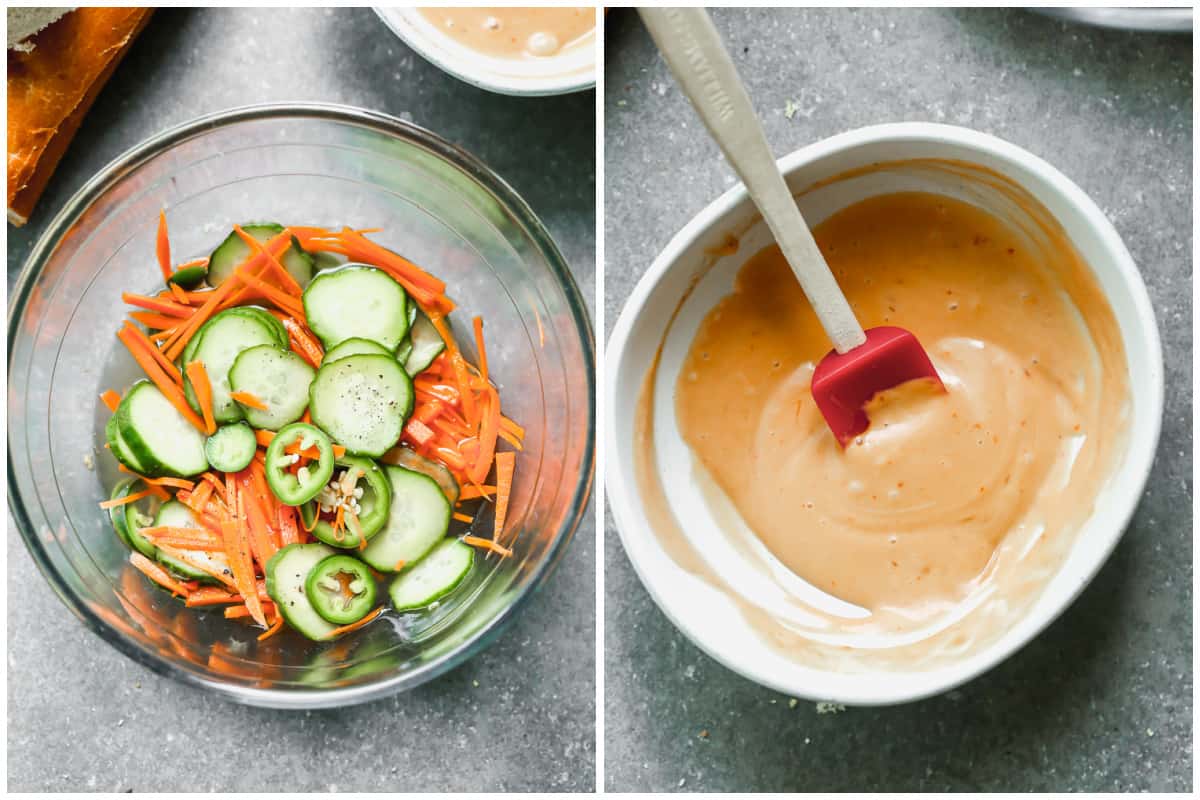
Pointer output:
x,y
312,164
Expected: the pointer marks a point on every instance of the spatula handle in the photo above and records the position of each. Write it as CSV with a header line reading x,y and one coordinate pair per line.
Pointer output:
x,y
694,52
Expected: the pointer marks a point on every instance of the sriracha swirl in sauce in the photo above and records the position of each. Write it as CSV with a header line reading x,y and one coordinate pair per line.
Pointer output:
x,y
947,492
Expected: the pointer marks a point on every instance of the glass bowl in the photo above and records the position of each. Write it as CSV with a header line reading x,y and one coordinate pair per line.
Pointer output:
x,y
298,164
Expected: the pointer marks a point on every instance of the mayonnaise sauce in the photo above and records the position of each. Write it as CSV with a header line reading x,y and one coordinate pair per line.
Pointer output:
x,y
516,33
943,521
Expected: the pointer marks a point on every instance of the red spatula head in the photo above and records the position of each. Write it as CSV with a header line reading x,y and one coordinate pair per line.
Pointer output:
x,y
845,382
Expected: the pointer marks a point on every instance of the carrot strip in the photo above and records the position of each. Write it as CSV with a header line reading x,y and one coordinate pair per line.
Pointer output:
x,y
289,532
259,530
471,492
276,295
275,628
418,431
217,484
256,246
243,611
163,334
508,437
509,426
417,281
463,518
152,320
237,548
188,544
111,399
489,428
169,389
163,246
487,544
180,294
302,342
167,307
248,399
310,528
132,497
174,483
148,346
156,573
198,375
505,464
353,626
198,498
477,324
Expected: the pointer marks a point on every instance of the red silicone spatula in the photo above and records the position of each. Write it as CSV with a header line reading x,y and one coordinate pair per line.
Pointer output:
x,y
862,363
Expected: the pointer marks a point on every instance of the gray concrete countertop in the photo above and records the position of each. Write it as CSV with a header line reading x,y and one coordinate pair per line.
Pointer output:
x,y
520,716
1103,699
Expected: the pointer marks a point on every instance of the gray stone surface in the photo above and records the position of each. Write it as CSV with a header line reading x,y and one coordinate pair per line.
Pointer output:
x,y
521,715
1103,699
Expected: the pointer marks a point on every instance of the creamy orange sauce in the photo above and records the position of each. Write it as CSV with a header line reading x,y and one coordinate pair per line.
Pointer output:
x,y
516,33
948,497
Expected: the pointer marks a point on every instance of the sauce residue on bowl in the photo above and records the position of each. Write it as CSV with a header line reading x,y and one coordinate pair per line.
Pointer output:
x,y
947,497
515,33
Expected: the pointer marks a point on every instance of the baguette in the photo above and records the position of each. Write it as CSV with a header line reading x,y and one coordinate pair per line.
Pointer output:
x,y
51,88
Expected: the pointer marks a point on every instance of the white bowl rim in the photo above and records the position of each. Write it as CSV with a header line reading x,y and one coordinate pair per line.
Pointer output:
x,y
481,78
624,500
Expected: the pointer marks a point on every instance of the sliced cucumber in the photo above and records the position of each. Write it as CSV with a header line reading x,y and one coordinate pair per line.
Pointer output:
x,y
357,301
140,514
116,514
287,575
355,347
176,515
435,576
411,459
362,402
268,319
231,448
233,251
161,439
324,260
222,339
418,517
427,344
279,378
405,349
119,447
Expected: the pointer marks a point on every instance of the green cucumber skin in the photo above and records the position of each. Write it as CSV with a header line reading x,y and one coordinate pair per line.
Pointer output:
x,y
118,446
349,564
412,460
426,345
288,590
354,346
225,409
232,251
286,402
189,277
267,318
139,446
238,435
405,581
176,514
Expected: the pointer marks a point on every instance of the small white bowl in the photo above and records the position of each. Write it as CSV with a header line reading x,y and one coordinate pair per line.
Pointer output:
x,y
708,616
572,70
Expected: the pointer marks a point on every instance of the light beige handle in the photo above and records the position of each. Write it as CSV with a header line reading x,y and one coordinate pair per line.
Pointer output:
x,y
695,54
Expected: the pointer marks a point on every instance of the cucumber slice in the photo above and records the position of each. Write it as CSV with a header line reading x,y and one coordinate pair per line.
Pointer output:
x,y
231,448
158,435
418,517
323,260
427,345
279,378
116,514
189,277
411,459
405,348
268,319
362,402
233,251
287,575
119,447
437,575
176,515
138,515
222,339
355,347
357,301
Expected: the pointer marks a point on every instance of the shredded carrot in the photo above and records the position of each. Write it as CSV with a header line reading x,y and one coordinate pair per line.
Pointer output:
x,y
353,626
164,383
157,321
275,628
508,437
157,574
174,483
132,497
242,611
179,293
217,484
309,528
259,530
211,596
541,330
163,334
489,428
237,549
249,399
399,565
488,544
289,532
198,375
505,464
280,298
111,399
508,426
198,498
477,324
289,283
471,492
166,307
163,246
418,431
147,346
302,342
307,418
463,518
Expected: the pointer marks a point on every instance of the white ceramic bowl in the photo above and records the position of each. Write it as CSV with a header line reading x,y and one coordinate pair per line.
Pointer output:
x,y
572,70
708,616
